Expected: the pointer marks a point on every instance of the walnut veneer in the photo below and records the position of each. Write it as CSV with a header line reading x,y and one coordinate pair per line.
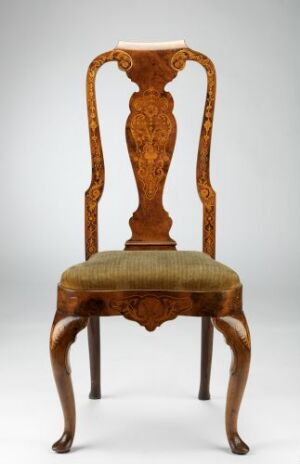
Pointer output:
x,y
150,135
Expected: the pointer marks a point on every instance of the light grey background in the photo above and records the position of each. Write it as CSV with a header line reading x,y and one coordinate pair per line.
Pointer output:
x,y
46,47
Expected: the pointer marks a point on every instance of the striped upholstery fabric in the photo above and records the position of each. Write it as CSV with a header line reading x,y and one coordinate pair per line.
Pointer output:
x,y
149,269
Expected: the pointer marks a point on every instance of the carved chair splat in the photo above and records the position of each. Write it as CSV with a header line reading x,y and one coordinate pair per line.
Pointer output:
x,y
147,281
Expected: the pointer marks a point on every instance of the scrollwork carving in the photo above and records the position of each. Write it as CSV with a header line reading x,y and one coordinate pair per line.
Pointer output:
x,y
151,311
69,323
235,330
63,333
239,328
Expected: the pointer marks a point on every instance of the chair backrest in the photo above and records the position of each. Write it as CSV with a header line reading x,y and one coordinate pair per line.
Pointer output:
x,y
150,136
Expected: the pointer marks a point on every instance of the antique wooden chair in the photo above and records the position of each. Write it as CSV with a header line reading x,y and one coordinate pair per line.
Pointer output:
x,y
150,282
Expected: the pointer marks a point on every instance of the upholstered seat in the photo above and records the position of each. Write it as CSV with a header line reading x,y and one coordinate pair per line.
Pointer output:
x,y
149,269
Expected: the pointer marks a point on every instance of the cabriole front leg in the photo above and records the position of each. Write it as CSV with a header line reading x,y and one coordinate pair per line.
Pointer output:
x,y
63,333
236,333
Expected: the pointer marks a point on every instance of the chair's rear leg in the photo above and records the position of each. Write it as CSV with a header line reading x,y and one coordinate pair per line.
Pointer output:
x,y
94,352
207,336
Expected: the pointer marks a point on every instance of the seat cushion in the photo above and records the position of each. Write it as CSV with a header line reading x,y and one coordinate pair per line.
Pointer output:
x,y
150,270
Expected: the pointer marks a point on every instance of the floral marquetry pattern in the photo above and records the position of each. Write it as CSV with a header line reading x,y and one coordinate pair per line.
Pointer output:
x,y
150,125
95,189
150,310
150,137
205,190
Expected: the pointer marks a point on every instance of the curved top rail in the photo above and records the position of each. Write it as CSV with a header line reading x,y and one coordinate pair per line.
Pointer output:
x,y
151,45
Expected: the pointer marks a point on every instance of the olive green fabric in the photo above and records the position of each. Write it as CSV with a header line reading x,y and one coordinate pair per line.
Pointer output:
x,y
150,270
